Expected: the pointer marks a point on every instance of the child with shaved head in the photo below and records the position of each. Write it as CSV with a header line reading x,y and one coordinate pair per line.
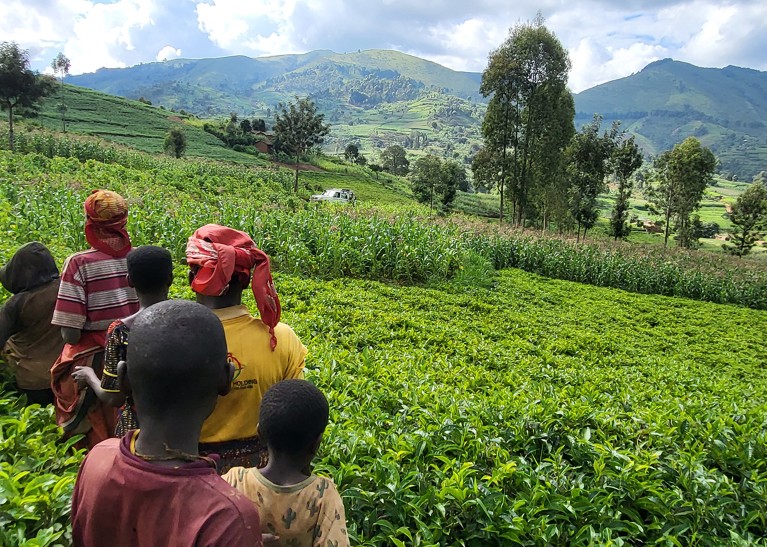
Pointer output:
x,y
152,487
300,508
150,273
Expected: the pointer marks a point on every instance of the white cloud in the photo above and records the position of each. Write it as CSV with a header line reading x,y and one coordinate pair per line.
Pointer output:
x,y
91,34
232,23
464,45
168,52
606,39
593,63
621,42
728,33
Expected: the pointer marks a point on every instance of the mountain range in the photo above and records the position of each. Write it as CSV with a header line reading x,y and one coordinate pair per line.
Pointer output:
x,y
381,97
667,101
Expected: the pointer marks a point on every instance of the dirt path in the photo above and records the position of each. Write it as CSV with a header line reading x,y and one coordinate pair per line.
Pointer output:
x,y
301,166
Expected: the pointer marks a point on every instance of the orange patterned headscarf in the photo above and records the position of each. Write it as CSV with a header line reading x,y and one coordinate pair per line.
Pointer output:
x,y
106,216
219,254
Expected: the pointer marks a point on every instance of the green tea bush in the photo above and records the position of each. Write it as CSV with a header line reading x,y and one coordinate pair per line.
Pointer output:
x,y
539,413
37,474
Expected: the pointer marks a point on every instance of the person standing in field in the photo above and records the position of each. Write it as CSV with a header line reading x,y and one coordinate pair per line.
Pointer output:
x,y
94,292
31,343
263,351
152,487
300,508
150,273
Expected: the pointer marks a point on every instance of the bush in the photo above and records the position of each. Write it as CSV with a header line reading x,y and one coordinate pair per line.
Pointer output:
x,y
37,473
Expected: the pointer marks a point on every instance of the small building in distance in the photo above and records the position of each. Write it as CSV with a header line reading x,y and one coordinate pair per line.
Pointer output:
x,y
265,142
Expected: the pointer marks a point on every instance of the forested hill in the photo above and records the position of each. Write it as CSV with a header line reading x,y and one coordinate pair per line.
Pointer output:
x,y
381,97
669,100
244,84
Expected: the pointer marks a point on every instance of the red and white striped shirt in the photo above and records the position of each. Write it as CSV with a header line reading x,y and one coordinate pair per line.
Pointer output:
x,y
94,292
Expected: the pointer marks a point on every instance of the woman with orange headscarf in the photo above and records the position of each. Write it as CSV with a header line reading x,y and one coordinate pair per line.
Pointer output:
x,y
94,292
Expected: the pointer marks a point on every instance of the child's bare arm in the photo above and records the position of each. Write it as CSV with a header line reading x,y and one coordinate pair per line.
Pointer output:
x,y
86,376
71,335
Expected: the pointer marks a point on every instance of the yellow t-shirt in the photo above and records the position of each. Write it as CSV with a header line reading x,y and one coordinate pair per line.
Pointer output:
x,y
307,514
257,367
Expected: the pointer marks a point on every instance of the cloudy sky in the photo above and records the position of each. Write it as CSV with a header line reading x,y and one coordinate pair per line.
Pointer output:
x,y
607,39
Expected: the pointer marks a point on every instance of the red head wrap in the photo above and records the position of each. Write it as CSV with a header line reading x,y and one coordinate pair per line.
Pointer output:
x,y
222,253
106,215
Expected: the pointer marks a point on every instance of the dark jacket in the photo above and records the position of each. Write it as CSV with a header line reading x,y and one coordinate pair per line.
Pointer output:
x,y
31,343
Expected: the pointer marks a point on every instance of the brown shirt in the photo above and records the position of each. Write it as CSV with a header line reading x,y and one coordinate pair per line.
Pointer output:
x,y
33,344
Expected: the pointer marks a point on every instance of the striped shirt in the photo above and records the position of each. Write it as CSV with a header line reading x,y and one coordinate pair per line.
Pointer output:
x,y
94,292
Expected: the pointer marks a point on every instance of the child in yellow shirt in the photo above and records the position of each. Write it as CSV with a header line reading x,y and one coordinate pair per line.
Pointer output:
x,y
301,509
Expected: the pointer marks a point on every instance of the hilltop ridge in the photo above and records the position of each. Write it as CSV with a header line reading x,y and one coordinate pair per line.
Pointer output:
x,y
668,100
381,97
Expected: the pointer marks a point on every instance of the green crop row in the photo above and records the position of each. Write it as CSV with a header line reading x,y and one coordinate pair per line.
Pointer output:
x,y
42,198
648,270
216,176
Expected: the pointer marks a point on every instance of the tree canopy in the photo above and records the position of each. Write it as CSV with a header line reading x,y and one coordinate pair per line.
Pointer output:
x,y
60,66
394,160
749,219
529,118
588,164
625,160
436,182
20,87
351,152
682,175
175,142
299,127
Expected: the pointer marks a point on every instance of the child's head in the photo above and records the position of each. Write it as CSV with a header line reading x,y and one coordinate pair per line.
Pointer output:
x,y
176,362
293,416
150,269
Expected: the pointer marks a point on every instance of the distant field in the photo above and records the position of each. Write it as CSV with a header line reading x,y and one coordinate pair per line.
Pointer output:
x,y
144,127
451,128
132,123
485,205
380,189
713,206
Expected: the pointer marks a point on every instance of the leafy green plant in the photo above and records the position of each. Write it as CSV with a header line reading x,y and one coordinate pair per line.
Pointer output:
x,y
37,474
541,412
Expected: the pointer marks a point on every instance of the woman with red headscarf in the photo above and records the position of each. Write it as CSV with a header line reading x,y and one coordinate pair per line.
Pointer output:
x,y
222,262
94,292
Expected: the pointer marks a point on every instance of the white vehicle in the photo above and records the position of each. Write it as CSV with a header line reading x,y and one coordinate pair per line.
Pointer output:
x,y
335,195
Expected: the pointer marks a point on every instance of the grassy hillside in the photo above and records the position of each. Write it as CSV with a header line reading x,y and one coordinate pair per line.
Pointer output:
x,y
375,98
143,127
131,123
260,82
669,100
433,75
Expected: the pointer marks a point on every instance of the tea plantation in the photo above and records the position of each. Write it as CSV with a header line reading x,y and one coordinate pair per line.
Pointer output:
x,y
469,406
